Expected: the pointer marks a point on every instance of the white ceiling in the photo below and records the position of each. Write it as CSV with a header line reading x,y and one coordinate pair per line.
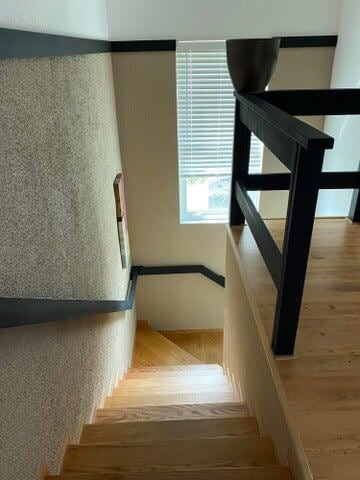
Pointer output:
x,y
80,18
219,19
183,20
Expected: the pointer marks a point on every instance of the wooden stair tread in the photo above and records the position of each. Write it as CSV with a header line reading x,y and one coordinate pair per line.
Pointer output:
x,y
142,356
174,380
271,472
171,399
162,348
129,390
172,418
142,324
177,454
135,432
171,412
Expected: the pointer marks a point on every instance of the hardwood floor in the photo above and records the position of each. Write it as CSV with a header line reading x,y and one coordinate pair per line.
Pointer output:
x,y
322,381
171,421
206,345
153,349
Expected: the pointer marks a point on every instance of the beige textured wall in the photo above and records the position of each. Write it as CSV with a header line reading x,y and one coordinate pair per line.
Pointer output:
x,y
59,154
145,86
296,68
249,361
53,376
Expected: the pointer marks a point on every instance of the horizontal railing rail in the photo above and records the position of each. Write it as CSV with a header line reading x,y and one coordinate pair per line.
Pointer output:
x,y
28,311
300,147
337,101
268,248
281,181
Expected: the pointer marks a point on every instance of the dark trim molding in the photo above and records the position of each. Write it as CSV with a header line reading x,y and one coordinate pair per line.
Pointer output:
x,y
15,312
309,41
24,44
144,46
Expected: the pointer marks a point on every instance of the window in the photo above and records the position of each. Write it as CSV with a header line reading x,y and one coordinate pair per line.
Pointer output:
x,y
205,105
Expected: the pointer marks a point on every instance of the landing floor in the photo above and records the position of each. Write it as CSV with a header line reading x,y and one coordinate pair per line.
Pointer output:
x,y
322,382
206,345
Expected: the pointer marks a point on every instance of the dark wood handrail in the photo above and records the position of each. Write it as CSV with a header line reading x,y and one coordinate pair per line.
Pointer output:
x,y
337,101
269,115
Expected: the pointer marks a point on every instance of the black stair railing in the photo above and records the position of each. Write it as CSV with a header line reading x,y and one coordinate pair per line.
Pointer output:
x,y
301,148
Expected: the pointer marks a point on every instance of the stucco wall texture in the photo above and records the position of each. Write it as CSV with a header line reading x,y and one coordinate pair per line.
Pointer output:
x,y
148,136
52,377
59,155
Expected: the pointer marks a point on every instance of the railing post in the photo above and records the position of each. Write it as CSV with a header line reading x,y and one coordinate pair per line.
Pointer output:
x,y
354,213
304,188
240,164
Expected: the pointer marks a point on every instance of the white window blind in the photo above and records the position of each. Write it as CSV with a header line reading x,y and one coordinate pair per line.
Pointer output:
x,y
205,105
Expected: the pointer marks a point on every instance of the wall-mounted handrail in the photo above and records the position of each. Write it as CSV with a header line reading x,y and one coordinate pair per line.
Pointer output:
x,y
181,269
300,148
28,311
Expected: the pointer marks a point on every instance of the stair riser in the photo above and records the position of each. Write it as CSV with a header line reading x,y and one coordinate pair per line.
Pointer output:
x,y
172,412
129,433
155,371
127,390
179,399
258,473
175,379
183,455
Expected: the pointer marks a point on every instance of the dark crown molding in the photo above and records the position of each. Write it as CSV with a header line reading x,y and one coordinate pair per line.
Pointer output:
x,y
144,46
24,44
309,41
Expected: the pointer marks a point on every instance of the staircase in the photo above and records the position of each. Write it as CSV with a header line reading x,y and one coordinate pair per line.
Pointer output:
x,y
171,417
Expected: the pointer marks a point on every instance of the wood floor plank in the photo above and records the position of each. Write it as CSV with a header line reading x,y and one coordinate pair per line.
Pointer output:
x,y
171,412
327,365
137,432
143,357
167,351
207,345
324,393
181,455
